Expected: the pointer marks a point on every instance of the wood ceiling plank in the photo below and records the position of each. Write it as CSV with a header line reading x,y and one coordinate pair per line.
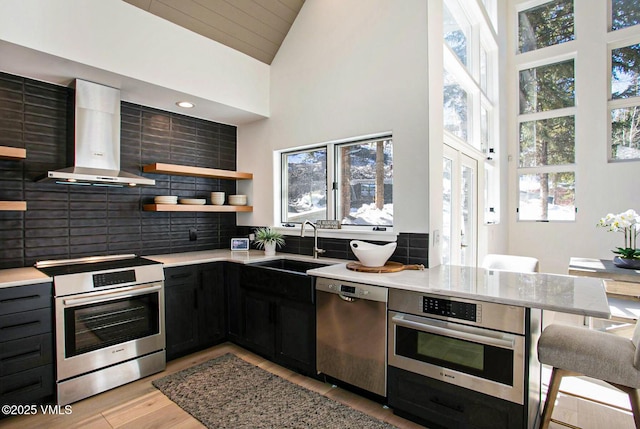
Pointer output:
x,y
192,9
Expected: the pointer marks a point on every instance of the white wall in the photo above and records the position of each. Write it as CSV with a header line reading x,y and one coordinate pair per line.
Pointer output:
x,y
348,68
114,36
601,187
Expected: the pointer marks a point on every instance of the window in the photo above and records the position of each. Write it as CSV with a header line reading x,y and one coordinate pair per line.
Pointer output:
x,y
305,185
456,106
624,103
548,24
361,181
546,121
455,35
624,13
365,183
547,87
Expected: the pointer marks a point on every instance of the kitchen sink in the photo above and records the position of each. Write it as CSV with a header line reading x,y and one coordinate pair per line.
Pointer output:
x,y
290,265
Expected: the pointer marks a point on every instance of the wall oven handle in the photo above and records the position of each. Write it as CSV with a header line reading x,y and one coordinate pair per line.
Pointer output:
x,y
110,296
508,341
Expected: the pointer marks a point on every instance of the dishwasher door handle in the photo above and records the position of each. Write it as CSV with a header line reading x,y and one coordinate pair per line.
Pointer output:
x,y
347,298
504,341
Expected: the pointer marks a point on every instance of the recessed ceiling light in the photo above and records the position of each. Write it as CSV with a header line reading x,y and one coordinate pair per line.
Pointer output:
x,y
185,104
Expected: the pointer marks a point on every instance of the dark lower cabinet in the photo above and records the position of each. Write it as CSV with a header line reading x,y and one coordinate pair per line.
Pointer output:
x,y
194,308
440,405
26,345
277,312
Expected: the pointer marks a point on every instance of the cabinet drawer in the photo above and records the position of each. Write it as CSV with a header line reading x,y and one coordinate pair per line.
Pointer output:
x,y
23,298
25,324
180,275
25,353
27,387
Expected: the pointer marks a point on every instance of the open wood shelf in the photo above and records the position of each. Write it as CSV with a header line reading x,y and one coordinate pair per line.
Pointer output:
x,y
8,152
195,208
185,170
13,206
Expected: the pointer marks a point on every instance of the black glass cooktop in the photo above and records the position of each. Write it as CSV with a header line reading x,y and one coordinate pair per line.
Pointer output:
x,y
85,267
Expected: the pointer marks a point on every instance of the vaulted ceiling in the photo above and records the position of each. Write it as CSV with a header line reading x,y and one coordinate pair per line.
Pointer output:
x,y
254,27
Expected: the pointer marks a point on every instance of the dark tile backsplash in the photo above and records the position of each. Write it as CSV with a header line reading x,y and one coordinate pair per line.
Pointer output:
x,y
66,222
412,248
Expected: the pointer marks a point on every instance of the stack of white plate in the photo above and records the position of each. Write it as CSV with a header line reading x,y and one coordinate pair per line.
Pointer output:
x,y
238,200
165,199
193,201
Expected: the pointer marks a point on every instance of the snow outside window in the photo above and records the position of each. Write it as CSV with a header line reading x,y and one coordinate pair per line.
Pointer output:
x,y
361,183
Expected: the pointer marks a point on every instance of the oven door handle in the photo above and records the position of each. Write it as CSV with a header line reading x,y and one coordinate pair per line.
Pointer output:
x,y
507,341
110,296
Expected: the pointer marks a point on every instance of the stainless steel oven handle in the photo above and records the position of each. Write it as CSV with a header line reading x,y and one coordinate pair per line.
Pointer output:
x,y
498,342
110,296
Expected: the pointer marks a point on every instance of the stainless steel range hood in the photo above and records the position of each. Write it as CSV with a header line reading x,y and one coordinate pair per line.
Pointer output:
x,y
97,141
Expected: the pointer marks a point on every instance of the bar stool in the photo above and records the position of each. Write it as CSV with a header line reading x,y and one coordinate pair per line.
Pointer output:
x,y
575,351
523,264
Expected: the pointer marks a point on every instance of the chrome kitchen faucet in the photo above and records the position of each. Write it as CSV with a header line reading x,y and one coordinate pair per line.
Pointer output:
x,y
316,251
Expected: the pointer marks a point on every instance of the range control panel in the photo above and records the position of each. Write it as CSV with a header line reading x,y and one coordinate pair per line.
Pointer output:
x,y
114,278
454,309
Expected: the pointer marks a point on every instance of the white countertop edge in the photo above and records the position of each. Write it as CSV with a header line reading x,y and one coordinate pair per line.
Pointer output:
x,y
593,300
12,277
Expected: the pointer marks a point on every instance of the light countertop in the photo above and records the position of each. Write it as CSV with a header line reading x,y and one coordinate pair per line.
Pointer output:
x,y
576,295
22,276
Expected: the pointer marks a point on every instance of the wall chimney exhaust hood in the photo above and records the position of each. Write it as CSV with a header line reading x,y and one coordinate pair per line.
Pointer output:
x,y
97,141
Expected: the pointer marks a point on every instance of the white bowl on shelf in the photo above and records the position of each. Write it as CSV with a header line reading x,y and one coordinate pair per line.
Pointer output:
x,y
372,255
217,198
238,200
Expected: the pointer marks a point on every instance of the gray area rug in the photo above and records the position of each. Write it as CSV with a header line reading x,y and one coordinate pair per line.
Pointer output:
x,y
228,392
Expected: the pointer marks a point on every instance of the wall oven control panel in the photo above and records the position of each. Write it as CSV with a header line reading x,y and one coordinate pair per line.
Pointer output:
x,y
453,309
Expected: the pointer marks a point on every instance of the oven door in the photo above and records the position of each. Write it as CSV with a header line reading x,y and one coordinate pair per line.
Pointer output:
x,y
478,359
98,329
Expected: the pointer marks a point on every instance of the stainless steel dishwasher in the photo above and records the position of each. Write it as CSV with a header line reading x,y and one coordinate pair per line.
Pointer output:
x,y
351,333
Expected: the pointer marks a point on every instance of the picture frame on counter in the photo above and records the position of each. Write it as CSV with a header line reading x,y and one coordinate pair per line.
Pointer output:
x,y
240,244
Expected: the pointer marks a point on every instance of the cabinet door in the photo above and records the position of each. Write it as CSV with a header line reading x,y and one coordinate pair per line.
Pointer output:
x,y
259,322
181,307
211,304
234,306
295,336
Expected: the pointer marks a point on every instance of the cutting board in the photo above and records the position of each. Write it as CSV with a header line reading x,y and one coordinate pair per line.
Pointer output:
x,y
389,267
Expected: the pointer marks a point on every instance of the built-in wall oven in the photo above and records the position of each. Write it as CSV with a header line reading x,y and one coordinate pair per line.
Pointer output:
x,y
109,322
478,347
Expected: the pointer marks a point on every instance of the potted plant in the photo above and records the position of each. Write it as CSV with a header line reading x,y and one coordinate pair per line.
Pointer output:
x,y
627,222
268,238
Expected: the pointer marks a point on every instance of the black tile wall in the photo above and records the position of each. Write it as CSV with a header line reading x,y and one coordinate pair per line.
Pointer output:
x,y
66,222
412,248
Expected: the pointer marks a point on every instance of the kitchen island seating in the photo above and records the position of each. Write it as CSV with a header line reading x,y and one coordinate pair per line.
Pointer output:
x,y
576,351
524,264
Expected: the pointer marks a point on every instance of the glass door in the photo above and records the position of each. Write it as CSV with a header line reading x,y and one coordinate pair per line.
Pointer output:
x,y
460,206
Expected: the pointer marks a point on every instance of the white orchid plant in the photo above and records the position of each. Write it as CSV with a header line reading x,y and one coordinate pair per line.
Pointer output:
x,y
629,223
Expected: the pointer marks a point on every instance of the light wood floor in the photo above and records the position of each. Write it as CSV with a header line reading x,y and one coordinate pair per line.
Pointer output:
x,y
139,405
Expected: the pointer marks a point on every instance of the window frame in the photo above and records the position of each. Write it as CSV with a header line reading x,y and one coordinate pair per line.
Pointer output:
x,y
618,103
543,56
332,180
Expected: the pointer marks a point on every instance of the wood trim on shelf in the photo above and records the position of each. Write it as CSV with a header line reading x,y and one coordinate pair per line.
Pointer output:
x,y
195,208
13,206
185,170
9,152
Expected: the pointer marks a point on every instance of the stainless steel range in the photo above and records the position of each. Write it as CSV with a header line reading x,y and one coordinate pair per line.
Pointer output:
x,y
109,322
